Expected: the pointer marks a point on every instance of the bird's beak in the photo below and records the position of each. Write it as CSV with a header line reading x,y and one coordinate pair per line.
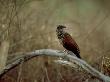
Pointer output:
x,y
65,28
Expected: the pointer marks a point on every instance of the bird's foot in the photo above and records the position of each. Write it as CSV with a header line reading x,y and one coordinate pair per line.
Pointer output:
x,y
64,51
65,57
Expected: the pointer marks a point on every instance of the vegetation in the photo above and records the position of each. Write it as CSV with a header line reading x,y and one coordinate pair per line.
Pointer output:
x,y
28,25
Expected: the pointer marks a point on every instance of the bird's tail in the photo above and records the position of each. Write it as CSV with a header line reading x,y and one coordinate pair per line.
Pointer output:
x,y
78,55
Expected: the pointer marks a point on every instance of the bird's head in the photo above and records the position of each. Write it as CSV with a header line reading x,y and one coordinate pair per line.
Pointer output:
x,y
60,31
60,28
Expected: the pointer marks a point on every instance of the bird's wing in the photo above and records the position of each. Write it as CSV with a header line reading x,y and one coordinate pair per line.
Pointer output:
x,y
69,41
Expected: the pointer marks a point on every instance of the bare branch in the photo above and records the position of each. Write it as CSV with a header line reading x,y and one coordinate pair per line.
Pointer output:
x,y
54,53
3,54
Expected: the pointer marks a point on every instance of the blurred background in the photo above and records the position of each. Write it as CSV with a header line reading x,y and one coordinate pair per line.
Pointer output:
x,y
28,25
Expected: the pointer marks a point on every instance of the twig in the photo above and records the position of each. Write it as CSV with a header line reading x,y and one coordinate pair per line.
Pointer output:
x,y
54,53
3,54
47,74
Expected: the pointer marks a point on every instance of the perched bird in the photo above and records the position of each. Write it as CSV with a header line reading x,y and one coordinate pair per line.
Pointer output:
x,y
67,41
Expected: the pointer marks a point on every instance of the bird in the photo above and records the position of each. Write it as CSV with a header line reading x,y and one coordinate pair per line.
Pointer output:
x,y
67,41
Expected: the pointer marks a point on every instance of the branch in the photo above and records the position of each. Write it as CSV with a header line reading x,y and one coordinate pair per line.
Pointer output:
x,y
54,53
3,54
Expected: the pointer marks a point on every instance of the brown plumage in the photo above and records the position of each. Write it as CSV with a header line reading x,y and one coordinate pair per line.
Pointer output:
x,y
67,41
